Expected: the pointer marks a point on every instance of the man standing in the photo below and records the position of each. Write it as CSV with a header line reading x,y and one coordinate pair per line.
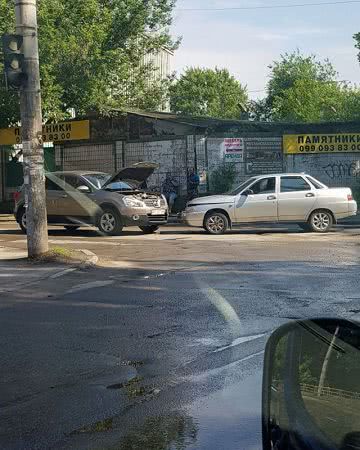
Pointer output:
x,y
193,184
169,189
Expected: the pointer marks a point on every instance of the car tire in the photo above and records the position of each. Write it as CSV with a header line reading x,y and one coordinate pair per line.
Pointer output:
x,y
304,226
71,227
21,218
109,222
216,223
149,229
321,221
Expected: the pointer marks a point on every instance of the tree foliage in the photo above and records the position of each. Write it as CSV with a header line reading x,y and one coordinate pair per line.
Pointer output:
x,y
314,101
295,67
207,92
92,54
303,89
222,178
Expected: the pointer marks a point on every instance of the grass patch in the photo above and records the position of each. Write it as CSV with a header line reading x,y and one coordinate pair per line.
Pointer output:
x,y
98,427
59,254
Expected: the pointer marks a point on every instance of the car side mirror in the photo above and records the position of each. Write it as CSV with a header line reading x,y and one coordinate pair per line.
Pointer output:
x,y
83,189
248,192
311,389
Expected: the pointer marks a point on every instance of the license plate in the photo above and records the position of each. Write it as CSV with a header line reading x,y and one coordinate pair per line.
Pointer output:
x,y
157,212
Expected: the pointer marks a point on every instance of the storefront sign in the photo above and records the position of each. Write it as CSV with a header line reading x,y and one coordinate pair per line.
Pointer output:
x,y
321,143
52,132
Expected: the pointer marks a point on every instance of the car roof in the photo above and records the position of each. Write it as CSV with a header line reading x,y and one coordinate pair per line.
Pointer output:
x,y
78,172
293,174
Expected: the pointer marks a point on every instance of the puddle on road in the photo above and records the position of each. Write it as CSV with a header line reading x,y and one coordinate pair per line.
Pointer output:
x,y
174,432
230,418
226,419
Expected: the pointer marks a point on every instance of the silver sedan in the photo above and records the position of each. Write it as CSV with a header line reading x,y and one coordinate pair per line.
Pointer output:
x,y
279,198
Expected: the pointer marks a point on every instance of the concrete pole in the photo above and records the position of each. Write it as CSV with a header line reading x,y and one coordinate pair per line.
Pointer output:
x,y
31,130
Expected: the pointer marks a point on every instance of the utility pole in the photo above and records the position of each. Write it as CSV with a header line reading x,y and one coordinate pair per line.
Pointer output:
x,y
31,130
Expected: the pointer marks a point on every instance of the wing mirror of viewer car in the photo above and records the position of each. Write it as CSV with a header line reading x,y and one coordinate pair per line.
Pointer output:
x,y
84,189
247,192
311,386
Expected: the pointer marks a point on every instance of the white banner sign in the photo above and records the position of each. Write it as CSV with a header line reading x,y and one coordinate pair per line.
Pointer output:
x,y
234,149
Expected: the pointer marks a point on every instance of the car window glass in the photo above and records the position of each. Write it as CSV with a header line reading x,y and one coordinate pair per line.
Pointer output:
x,y
292,184
97,179
241,187
74,181
264,186
51,185
315,183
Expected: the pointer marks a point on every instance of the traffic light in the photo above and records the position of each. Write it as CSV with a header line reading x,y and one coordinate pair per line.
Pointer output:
x,y
13,60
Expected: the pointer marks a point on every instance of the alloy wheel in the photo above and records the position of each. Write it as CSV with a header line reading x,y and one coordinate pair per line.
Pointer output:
x,y
216,224
108,222
23,220
321,221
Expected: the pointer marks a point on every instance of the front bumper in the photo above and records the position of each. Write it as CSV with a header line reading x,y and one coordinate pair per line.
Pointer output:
x,y
144,220
193,218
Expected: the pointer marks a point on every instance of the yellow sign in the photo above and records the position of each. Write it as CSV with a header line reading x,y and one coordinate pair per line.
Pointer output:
x,y
295,144
52,132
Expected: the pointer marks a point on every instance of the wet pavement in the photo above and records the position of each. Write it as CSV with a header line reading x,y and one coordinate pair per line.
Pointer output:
x,y
161,347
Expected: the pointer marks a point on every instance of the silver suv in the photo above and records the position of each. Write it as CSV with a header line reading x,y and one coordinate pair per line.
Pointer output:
x,y
76,198
286,197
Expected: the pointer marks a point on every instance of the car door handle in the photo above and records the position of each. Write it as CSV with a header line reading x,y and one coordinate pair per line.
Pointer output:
x,y
310,194
271,197
64,196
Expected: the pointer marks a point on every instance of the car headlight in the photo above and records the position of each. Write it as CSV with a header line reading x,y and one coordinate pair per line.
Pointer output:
x,y
134,203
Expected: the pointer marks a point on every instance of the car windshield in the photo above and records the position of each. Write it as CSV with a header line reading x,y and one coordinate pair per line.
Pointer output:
x,y
119,186
241,187
97,179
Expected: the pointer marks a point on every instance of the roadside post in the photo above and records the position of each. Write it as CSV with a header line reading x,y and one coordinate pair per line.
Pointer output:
x,y
31,127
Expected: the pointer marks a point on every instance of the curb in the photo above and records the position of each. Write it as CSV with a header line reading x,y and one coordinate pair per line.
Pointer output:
x,y
91,261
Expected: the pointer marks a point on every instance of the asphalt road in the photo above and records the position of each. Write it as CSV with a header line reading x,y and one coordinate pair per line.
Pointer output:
x,y
161,346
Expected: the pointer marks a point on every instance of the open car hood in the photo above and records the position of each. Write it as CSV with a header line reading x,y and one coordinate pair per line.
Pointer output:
x,y
134,175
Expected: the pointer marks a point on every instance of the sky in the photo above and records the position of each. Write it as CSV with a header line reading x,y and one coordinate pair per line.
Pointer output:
x,y
247,41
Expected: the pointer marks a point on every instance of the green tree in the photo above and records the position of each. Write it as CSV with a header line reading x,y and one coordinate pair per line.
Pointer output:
x,y
294,67
92,55
207,92
316,101
222,178
293,71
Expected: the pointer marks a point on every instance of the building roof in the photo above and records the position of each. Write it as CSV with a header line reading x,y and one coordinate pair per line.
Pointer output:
x,y
233,125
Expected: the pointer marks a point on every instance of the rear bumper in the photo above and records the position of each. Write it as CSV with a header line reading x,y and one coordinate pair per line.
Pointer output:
x,y
352,211
353,208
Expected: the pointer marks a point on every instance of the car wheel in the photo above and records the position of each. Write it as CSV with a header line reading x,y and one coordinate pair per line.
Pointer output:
x,y
149,229
109,222
216,223
304,226
21,218
71,227
321,221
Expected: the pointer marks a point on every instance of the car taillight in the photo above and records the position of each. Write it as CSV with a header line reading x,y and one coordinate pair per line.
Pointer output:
x,y
350,198
16,196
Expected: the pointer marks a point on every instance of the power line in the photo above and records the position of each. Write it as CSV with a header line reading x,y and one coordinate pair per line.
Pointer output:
x,y
242,8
